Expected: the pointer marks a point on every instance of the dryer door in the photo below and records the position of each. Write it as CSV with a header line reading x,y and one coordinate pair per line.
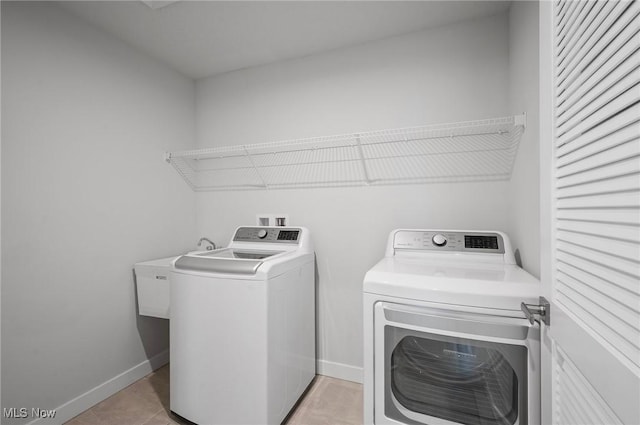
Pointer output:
x,y
445,367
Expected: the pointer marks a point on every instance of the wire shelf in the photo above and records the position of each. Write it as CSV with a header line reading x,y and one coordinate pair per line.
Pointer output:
x,y
465,151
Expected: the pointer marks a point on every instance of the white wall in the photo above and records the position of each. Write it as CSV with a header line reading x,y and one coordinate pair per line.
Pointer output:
x,y
524,204
0,211
452,73
85,195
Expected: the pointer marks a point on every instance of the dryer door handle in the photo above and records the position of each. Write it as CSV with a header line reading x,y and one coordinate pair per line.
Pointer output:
x,y
454,323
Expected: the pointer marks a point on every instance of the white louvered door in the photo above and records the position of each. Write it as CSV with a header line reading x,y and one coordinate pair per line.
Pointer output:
x,y
591,209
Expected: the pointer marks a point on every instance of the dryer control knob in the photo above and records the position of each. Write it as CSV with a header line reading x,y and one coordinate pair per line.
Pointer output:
x,y
262,233
439,240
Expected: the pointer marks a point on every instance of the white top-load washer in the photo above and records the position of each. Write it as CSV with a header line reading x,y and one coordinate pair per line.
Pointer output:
x,y
445,341
243,328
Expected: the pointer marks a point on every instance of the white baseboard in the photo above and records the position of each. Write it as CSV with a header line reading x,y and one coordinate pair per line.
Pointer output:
x,y
105,390
340,371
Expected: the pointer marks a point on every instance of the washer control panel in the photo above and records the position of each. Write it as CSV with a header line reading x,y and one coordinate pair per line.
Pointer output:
x,y
433,240
268,234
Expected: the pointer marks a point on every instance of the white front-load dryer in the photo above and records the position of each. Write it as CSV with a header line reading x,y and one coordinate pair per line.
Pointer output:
x,y
242,328
445,341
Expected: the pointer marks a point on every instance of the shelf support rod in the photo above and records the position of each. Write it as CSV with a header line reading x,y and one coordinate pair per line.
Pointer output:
x,y
362,161
250,158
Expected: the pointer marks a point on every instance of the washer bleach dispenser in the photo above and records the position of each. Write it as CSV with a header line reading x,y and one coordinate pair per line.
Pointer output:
x,y
243,328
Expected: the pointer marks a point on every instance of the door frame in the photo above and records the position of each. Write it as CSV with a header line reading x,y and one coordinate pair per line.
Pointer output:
x,y
547,216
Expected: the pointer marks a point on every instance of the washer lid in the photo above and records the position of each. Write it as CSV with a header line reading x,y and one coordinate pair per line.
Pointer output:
x,y
228,260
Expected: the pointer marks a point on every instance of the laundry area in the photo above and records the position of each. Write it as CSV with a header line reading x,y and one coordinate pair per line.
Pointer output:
x,y
320,212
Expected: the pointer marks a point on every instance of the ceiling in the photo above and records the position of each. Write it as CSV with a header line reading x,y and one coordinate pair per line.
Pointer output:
x,y
204,38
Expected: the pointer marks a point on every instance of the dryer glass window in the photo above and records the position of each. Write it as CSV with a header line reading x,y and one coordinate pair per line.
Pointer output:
x,y
455,379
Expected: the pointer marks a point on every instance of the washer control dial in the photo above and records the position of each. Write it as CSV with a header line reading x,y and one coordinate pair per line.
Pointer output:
x,y
439,239
262,233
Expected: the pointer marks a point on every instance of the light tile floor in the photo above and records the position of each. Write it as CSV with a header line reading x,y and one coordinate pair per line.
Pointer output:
x,y
329,401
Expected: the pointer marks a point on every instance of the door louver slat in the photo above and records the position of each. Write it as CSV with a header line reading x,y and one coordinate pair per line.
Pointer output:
x,y
624,183
609,268
598,48
575,151
609,155
616,216
608,307
624,62
627,298
605,230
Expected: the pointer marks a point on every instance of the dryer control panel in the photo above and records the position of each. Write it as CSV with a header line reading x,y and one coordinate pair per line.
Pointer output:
x,y
268,234
434,240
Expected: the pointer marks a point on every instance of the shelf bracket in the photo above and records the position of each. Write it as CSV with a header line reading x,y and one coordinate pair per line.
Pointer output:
x,y
362,161
255,168
520,120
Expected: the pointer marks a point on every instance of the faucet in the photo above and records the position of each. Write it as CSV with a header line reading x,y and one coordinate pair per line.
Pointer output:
x,y
211,246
